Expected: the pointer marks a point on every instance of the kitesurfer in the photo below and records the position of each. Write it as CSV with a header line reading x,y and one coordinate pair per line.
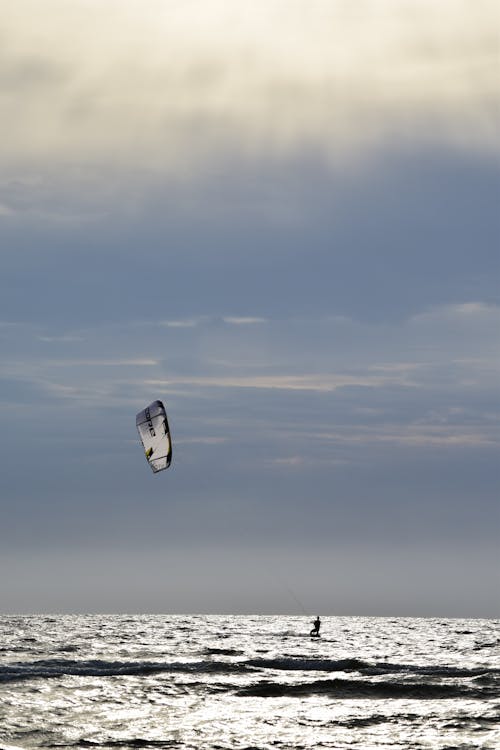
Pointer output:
x,y
317,624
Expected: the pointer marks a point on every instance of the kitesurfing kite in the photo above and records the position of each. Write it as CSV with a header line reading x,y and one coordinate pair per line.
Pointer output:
x,y
152,425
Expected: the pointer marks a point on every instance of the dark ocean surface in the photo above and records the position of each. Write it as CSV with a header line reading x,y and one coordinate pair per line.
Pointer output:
x,y
203,682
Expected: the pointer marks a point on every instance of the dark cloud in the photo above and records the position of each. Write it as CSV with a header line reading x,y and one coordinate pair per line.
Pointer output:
x,y
393,241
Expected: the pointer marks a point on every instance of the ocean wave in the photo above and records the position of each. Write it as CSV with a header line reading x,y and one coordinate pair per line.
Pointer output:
x,y
213,651
360,689
482,678
310,665
133,742
53,668
361,722
431,670
366,668
490,644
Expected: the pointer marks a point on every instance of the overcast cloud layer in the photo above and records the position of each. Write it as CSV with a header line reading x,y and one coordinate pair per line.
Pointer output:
x,y
282,220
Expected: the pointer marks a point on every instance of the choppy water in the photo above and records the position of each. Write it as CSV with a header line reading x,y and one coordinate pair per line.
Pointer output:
x,y
248,683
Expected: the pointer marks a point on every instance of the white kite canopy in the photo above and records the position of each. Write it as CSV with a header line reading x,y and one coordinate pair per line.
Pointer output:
x,y
152,425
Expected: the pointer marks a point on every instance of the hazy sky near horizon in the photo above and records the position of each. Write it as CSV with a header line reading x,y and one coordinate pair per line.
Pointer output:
x,y
282,219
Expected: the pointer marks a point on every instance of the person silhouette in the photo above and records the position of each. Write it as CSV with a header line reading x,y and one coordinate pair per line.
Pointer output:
x,y
315,631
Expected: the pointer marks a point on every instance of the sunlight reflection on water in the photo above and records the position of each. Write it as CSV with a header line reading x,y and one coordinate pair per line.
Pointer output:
x,y
239,682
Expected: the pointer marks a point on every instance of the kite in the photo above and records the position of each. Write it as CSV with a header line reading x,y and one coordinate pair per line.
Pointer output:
x,y
152,425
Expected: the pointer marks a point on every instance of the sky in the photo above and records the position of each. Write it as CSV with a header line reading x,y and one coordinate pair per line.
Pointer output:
x,y
282,219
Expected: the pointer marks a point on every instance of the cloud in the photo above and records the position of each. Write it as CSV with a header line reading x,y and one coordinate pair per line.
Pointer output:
x,y
281,219
468,332
307,382
65,338
423,435
425,354
133,362
243,321
188,323
167,89
459,313
428,384
202,440
207,320
297,461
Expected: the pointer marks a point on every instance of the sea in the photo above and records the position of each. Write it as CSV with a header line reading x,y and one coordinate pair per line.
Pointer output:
x,y
220,682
